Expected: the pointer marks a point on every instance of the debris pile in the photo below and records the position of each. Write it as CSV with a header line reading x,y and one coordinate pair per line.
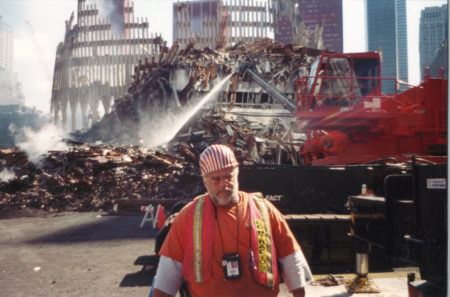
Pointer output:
x,y
253,143
181,74
107,163
89,177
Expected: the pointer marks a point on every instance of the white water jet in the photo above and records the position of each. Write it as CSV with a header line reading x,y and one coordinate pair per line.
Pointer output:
x,y
161,131
199,105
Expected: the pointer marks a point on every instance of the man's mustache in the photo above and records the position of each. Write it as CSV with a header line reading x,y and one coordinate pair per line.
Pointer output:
x,y
226,189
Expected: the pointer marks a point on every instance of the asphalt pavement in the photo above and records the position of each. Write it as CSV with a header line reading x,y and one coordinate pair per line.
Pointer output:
x,y
89,254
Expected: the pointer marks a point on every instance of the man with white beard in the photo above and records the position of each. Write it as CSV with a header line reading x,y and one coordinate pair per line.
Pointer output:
x,y
228,242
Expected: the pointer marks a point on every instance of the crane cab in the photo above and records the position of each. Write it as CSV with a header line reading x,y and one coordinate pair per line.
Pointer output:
x,y
339,81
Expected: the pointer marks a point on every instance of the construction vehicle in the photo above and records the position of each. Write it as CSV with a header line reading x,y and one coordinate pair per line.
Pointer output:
x,y
348,119
358,138
409,223
361,141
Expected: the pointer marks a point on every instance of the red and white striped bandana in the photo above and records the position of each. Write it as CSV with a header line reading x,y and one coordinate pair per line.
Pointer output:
x,y
216,157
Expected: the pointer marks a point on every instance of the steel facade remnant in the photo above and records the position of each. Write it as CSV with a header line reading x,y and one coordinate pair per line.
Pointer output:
x,y
218,23
94,65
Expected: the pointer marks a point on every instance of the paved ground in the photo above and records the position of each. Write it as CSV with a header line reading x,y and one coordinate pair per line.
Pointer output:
x,y
85,254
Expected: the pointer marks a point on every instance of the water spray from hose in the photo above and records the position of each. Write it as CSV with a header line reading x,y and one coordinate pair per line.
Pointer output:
x,y
164,131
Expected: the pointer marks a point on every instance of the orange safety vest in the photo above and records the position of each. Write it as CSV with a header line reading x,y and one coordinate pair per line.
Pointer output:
x,y
199,240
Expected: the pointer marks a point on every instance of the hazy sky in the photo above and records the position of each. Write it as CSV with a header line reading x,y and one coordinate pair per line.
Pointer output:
x,y
39,26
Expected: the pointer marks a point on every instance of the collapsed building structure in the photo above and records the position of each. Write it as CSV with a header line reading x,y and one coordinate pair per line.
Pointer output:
x,y
101,58
96,66
93,177
90,176
216,23
95,62
185,75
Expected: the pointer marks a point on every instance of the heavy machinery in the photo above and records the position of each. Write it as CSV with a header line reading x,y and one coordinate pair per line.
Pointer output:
x,y
356,136
409,222
395,145
349,120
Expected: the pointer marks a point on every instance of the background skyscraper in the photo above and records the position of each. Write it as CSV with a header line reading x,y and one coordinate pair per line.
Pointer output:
x,y
10,88
6,47
402,40
433,36
387,30
320,22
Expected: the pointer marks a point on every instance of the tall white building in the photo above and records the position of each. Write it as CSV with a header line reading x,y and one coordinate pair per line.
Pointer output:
x,y
10,88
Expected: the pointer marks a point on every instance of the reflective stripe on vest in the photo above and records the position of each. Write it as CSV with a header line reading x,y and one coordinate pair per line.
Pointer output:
x,y
264,242
198,250
197,233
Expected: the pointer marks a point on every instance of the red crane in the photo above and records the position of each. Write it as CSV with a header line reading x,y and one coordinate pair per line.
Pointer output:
x,y
348,119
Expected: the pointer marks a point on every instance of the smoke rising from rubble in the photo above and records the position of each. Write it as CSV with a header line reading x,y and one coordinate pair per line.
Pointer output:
x,y
7,175
36,144
155,132
159,131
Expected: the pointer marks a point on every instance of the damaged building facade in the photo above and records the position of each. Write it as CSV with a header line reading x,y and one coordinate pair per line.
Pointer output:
x,y
217,23
95,62
258,98
135,76
114,63
95,66
314,24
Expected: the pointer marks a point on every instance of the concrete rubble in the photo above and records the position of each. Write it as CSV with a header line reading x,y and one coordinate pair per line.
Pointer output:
x,y
178,75
107,163
90,177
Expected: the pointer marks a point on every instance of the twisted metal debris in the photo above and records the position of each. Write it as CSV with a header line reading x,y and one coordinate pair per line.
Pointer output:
x,y
90,176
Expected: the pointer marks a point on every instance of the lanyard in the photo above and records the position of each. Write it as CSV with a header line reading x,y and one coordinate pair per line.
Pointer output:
x,y
237,228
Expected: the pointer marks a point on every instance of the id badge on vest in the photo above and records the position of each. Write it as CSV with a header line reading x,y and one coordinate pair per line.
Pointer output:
x,y
231,266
